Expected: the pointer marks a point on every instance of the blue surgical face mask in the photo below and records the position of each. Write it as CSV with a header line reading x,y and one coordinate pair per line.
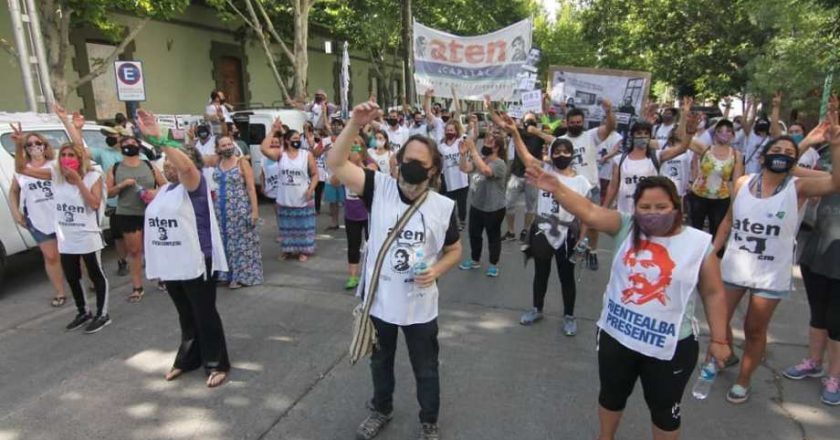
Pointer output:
x,y
797,137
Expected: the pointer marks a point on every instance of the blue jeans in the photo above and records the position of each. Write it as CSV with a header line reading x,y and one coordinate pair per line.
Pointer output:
x,y
423,349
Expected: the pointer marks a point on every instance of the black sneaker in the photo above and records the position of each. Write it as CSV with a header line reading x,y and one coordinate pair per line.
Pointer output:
x,y
372,425
429,431
122,268
78,321
523,235
592,261
509,236
97,324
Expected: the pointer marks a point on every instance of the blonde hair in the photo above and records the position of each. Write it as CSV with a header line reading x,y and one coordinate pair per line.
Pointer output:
x,y
49,154
81,154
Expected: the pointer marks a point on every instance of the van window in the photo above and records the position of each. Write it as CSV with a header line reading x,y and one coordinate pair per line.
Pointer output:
x,y
256,134
94,139
55,138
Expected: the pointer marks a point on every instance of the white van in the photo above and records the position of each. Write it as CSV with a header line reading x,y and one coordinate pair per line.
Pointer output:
x,y
13,237
253,125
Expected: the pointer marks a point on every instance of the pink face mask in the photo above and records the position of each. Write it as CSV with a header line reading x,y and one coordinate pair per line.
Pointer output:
x,y
70,162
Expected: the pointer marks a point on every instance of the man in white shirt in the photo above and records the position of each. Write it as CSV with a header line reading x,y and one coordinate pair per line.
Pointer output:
x,y
217,112
586,159
753,143
397,133
661,132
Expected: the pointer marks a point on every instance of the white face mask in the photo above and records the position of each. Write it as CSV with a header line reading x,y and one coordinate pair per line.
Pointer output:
x,y
380,144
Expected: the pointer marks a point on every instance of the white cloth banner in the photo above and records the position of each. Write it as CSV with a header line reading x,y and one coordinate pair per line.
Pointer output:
x,y
474,66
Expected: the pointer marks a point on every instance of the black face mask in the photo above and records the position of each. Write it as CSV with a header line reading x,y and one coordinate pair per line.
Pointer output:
x,y
130,150
391,121
111,141
319,99
203,134
445,118
226,153
295,144
529,123
413,172
575,130
562,162
779,163
486,151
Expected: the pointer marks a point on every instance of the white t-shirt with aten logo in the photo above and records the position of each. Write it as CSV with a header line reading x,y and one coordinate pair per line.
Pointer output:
x,y
76,224
430,229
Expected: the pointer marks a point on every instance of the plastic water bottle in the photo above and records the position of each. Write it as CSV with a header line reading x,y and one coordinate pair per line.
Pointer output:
x,y
580,250
708,373
420,266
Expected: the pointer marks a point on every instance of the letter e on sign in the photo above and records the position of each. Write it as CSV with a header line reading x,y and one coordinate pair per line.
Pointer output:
x,y
130,81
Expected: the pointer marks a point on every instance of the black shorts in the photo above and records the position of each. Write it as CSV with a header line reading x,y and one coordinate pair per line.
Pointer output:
x,y
663,382
125,224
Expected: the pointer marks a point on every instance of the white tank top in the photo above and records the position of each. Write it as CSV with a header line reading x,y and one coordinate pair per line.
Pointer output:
x,y
293,180
649,290
677,169
452,174
383,161
631,172
171,234
37,198
759,252
271,173
76,224
551,217
395,302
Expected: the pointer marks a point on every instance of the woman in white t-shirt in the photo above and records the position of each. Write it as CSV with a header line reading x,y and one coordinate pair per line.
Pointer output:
x,y
456,184
382,153
35,196
77,189
647,328
757,238
295,191
554,232
407,294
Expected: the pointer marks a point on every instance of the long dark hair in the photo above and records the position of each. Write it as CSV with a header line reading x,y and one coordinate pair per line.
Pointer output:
x,y
775,141
650,183
437,159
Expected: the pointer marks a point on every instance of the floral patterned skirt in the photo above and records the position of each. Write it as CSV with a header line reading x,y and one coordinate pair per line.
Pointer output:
x,y
297,229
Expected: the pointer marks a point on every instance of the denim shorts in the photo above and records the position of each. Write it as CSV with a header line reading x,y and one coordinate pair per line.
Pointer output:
x,y
39,236
768,294
333,194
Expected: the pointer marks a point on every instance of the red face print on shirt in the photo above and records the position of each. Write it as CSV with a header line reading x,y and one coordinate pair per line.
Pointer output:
x,y
650,269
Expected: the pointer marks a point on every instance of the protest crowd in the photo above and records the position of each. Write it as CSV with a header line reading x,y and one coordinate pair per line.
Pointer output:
x,y
702,212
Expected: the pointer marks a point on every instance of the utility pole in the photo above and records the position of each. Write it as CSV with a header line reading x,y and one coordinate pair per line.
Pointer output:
x,y
408,50
32,56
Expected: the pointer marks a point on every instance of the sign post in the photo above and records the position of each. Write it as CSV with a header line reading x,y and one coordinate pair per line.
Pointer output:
x,y
131,84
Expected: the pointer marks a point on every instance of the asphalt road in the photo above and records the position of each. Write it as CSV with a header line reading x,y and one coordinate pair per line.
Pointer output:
x,y
291,378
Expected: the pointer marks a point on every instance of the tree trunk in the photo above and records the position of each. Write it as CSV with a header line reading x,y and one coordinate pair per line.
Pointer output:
x,y
55,25
408,47
301,63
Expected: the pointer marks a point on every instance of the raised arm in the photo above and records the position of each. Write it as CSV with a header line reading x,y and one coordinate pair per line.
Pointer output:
x,y
20,156
427,106
592,215
457,104
682,133
750,116
265,146
820,186
775,127
609,123
188,174
338,158
74,126
525,156
464,162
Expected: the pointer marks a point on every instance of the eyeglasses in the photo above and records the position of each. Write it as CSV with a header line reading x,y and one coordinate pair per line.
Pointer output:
x,y
34,144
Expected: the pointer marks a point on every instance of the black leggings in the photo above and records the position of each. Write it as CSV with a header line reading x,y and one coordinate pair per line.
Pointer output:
x,y
460,198
565,272
354,229
663,382
319,192
824,301
71,264
702,208
202,335
491,222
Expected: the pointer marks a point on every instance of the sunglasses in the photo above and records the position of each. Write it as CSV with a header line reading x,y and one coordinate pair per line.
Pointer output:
x,y
34,144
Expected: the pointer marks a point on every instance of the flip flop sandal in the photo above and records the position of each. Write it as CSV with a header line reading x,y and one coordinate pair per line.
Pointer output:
x,y
234,285
136,295
58,301
213,375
